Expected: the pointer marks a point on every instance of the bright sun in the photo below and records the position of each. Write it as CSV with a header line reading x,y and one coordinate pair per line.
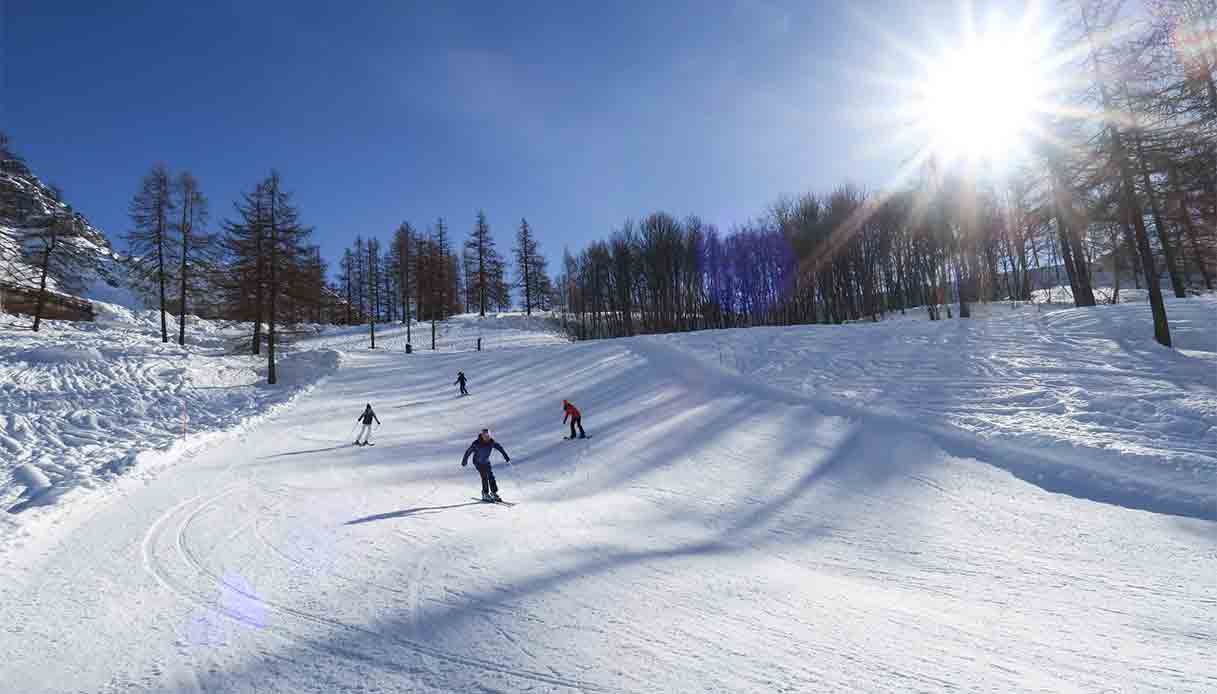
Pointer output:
x,y
982,100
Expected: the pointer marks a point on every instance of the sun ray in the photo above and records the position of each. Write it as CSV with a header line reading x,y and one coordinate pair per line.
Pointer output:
x,y
983,95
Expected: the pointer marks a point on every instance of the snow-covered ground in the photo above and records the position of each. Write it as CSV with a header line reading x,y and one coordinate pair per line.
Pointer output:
x,y
1076,400
828,508
459,333
82,402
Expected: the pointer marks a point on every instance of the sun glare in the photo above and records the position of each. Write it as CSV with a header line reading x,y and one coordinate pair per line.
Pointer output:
x,y
982,99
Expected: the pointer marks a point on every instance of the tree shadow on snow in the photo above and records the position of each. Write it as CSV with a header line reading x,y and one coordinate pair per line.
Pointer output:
x,y
793,512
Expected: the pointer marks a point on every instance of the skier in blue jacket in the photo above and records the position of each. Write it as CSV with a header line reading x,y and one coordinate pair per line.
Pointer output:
x,y
480,449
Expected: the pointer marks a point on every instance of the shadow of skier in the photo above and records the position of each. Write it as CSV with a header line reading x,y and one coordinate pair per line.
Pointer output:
x,y
409,512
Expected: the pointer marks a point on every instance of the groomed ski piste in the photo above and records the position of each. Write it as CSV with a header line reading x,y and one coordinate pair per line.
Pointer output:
x,y
1021,502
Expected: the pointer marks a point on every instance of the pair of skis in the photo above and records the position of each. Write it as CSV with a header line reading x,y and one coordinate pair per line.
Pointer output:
x,y
492,501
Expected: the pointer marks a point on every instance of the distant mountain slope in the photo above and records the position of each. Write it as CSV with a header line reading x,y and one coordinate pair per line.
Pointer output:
x,y
89,265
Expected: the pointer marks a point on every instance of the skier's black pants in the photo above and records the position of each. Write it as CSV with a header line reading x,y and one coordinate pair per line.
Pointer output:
x,y
576,421
488,483
463,391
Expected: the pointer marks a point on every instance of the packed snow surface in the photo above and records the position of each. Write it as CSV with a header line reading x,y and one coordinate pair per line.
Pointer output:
x,y
828,508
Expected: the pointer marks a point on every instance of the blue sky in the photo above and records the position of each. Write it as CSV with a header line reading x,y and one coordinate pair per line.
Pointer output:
x,y
575,115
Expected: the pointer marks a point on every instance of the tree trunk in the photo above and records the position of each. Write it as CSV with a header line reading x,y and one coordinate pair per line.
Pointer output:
x,y
271,376
1190,228
259,269
1131,209
1072,252
1168,248
1128,200
181,329
160,264
374,291
965,311
46,266
527,284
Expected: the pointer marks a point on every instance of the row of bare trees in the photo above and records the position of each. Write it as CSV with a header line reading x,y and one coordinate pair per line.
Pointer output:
x,y
420,278
416,280
261,269
1126,190
169,246
486,271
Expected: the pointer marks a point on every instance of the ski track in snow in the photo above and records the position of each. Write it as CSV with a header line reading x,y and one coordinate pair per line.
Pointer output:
x,y
755,528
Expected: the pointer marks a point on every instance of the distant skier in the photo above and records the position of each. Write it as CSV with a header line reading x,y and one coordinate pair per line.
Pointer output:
x,y
480,449
576,420
460,381
367,418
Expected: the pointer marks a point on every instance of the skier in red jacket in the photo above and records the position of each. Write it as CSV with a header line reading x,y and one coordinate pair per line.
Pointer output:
x,y
576,420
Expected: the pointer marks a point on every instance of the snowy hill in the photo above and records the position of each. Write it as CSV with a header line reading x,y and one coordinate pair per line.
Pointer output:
x,y
81,402
829,508
92,269
1075,400
459,333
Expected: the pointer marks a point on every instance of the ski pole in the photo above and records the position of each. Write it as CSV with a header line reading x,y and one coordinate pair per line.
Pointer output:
x,y
511,466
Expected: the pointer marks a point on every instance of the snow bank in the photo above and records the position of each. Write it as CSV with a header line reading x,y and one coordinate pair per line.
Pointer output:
x,y
63,354
1129,293
37,487
1079,401
82,402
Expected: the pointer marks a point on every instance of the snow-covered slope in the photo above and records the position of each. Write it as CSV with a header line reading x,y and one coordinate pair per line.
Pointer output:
x,y
90,267
734,529
1077,400
81,402
456,334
